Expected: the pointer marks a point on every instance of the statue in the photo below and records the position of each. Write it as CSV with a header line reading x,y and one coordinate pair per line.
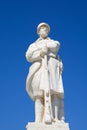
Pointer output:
x,y
44,81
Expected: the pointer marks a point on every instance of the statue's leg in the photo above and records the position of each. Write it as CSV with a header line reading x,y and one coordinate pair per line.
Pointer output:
x,y
39,109
61,110
55,106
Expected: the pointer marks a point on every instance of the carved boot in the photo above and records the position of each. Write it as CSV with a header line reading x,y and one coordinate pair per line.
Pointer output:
x,y
61,111
55,107
39,110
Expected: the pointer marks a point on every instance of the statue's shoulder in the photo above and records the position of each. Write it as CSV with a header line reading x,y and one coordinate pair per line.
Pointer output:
x,y
54,41
32,45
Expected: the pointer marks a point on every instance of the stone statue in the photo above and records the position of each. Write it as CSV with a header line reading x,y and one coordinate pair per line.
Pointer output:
x,y
44,81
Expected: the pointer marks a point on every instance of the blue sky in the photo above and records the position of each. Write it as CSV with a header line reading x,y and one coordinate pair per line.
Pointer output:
x,y
18,22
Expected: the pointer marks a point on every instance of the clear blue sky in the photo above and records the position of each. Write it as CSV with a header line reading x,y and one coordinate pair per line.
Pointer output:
x,y
18,22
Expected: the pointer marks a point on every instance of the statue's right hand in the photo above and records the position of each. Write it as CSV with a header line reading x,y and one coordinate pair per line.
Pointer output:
x,y
43,51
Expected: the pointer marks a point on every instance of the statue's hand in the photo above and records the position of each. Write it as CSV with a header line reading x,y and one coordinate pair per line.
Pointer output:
x,y
43,51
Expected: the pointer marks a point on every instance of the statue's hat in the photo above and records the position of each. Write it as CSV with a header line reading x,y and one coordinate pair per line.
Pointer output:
x,y
43,24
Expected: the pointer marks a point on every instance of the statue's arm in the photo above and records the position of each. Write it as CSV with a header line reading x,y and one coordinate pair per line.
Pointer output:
x,y
33,54
53,45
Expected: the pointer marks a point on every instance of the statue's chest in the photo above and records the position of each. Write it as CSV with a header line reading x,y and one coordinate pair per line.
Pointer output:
x,y
42,43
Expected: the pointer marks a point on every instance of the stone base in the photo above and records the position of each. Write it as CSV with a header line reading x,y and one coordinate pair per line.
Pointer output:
x,y
42,126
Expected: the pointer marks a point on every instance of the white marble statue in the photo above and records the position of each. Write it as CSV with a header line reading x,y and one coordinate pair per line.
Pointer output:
x,y
44,81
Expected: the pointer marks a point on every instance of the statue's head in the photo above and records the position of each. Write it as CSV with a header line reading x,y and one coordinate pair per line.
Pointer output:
x,y
43,30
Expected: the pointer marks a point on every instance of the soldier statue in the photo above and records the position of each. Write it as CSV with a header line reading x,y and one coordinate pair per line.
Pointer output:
x,y
44,81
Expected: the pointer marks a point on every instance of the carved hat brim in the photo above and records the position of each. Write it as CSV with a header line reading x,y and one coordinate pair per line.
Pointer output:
x,y
42,24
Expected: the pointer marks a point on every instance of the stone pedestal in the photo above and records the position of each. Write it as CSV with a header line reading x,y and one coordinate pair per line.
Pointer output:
x,y
42,126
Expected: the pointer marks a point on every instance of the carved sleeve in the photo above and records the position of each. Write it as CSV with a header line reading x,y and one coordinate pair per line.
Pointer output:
x,y
33,53
53,46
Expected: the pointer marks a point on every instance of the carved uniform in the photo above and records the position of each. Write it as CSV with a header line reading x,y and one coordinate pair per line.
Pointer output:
x,y
35,83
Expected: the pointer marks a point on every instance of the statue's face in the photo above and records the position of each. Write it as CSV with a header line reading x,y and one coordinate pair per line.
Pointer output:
x,y
43,32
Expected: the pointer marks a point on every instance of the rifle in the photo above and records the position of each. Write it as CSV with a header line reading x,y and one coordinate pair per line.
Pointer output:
x,y
47,96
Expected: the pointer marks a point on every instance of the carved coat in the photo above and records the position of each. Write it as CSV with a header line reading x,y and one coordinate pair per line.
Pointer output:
x,y
36,80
